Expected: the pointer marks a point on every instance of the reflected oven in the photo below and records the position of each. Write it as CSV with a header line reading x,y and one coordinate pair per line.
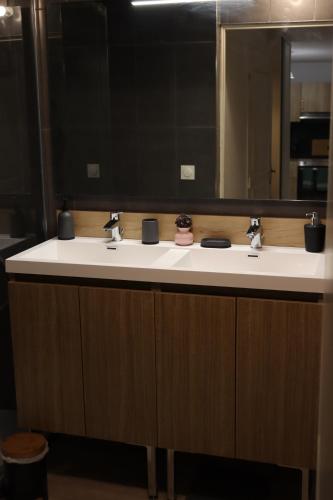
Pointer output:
x,y
312,178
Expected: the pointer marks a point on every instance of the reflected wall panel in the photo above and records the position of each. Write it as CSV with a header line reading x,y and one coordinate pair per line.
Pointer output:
x,y
127,85
20,180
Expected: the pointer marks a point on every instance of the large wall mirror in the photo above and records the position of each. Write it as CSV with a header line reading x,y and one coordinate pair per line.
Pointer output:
x,y
157,99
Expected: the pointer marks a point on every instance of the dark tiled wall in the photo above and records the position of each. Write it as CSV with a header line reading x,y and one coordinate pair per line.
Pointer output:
x,y
270,11
134,90
20,190
20,180
18,175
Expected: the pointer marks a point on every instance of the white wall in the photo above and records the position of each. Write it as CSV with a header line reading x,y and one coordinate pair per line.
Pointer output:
x,y
312,72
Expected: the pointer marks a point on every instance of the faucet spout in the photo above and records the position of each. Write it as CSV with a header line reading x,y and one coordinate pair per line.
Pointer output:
x,y
254,233
113,226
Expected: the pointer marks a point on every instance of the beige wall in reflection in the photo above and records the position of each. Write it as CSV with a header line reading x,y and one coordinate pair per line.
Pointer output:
x,y
265,11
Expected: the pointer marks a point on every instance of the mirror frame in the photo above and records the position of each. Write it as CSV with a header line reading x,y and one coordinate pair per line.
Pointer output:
x,y
218,206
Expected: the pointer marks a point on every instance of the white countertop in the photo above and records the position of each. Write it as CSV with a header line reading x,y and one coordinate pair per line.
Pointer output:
x,y
270,268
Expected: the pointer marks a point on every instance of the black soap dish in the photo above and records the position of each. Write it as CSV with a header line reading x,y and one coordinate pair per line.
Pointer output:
x,y
215,243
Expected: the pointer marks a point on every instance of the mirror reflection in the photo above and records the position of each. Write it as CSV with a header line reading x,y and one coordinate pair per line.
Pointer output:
x,y
276,92
154,99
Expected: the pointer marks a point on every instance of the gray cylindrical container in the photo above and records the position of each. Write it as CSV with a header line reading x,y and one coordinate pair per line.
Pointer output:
x,y
65,224
150,233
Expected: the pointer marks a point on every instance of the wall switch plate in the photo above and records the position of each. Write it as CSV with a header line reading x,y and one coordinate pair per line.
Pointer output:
x,y
187,172
93,170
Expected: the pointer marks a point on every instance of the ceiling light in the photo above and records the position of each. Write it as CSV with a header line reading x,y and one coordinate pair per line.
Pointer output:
x,y
6,11
145,3
292,76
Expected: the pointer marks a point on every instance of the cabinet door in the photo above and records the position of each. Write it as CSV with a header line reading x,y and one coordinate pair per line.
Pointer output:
x,y
278,355
45,324
295,100
196,373
316,97
119,364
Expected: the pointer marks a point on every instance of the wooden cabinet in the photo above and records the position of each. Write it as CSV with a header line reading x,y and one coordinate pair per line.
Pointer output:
x,y
234,377
278,356
45,324
309,98
295,100
316,97
196,373
118,345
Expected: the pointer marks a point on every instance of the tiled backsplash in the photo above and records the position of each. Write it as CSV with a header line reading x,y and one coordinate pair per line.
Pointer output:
x,y
277,231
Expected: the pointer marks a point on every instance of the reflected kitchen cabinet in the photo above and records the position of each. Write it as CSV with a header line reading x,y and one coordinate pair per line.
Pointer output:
x,y
295,101
309,97
316,98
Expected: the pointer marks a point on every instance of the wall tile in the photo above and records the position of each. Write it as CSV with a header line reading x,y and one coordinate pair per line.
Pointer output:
x,y
195,146
236,11
195,90
324,10
156,162
154,86
122,77
292,10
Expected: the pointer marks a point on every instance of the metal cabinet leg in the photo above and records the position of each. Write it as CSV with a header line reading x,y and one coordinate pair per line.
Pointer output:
x,y
151,466
305,484
171,475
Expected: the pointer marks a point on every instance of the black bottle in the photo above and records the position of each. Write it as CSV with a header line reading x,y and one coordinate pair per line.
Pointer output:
x,y
65,224
314,234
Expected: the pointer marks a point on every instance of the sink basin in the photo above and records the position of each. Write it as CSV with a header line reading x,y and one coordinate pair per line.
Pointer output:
x,y
93,250
270,268
273,261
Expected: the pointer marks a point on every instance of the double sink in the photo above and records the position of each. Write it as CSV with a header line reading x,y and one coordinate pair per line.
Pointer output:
x,y
271,268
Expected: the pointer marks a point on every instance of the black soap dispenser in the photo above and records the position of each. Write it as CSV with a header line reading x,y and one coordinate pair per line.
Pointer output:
x,y
65,224
314,234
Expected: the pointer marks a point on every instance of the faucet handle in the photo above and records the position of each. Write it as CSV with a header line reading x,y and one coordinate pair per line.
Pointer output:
x,y
255,221
115,215
114,218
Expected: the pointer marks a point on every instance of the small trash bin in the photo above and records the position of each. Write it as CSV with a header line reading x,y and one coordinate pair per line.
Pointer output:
x,y
24,456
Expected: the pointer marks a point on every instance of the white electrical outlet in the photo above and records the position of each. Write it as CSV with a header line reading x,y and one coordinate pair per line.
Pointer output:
x,y
93,170
187,172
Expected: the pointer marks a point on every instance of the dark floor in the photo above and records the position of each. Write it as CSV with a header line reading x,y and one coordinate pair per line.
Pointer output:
x,y
99,465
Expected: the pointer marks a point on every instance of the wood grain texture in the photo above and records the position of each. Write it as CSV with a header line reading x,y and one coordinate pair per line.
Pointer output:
x,y
295,100
47,354
23,445
277,231
196,373
119,364
316,97
278,356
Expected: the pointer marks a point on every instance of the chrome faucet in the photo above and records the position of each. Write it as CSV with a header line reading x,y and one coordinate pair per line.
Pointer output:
x,y
254,233
113,226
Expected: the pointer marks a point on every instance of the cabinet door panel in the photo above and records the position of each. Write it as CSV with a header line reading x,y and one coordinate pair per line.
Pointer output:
x,y
316,97
119,364
278,356
196,373
45,324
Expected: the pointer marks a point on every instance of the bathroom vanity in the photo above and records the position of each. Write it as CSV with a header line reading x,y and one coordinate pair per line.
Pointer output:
x,y
139,350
